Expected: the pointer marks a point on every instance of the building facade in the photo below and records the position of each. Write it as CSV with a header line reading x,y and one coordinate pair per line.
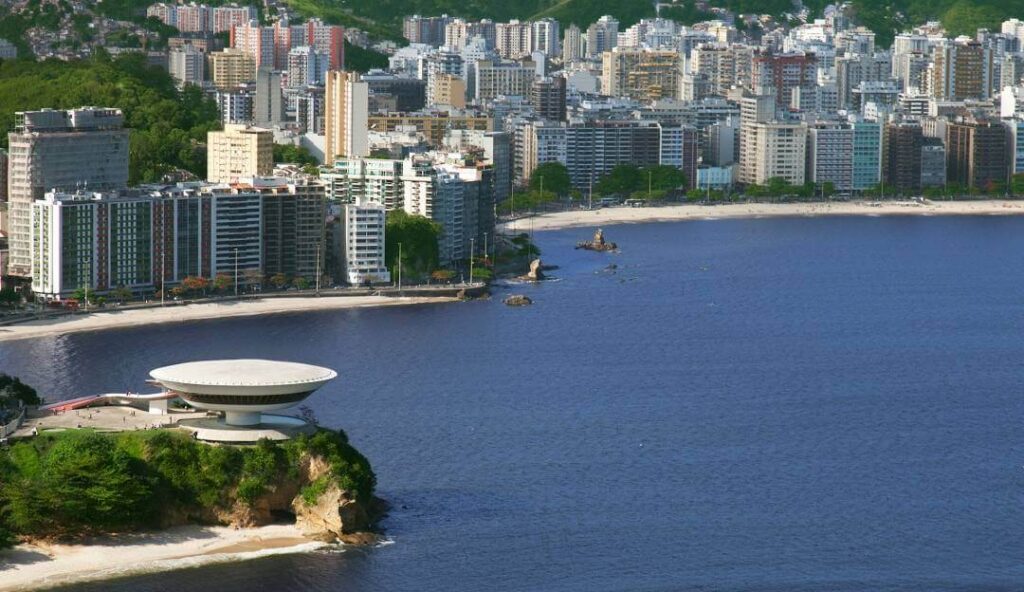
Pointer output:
x,y
86,147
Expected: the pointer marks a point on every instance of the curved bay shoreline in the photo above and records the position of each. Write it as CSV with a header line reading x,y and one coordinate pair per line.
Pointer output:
x,y
114,318
672,213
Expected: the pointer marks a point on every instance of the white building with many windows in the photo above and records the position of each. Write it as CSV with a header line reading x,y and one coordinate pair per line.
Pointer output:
x,y
363,243
91,241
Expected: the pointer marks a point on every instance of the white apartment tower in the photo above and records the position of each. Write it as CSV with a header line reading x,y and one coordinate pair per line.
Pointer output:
x,y
546,37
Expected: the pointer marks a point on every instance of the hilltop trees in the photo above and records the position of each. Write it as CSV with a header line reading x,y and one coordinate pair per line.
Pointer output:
x,y
168,126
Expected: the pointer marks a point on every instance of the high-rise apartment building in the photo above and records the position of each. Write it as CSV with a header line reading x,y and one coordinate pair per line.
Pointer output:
x,y
294,233
602,36
573,44
593,149
270,45
236,105
829,155
503,79
231,68
513,40
363,236
306,67
902,166
268,105
778,74
187,65
448,90
200,18
90,240
977,154
547,97
680,148
354,180
641,74
933,163
961,70
86,148
772,149
345,116
545,37
239,152
425,29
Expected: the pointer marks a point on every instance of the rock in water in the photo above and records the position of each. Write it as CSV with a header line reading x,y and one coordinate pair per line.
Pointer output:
x,y
518,300
535,274
598,244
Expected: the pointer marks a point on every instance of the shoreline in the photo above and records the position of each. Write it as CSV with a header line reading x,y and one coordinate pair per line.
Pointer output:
x,y
684,212
115,319
39,565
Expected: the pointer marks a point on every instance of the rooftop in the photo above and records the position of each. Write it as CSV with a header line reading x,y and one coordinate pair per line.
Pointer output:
x,y
250,372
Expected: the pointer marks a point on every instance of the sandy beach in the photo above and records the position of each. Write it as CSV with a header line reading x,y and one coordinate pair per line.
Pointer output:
x,y
28,567
626,215
114,318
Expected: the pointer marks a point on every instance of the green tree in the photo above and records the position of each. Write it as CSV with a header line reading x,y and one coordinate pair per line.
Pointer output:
x,y
83,295
168,126
223,282
662,177
86,485
9,297
418,236
300,283
12,387
555,178
121,293
1017,184
623,179
279,280
292,154
358,59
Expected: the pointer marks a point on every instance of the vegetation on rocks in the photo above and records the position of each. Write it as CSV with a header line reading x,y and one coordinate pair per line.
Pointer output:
x,y
78,483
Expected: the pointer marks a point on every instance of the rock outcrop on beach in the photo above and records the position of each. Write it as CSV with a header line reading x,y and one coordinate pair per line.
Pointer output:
x,y
598,244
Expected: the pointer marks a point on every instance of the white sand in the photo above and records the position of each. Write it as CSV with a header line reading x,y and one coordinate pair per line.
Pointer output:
x,y
33,566
192,312
626,215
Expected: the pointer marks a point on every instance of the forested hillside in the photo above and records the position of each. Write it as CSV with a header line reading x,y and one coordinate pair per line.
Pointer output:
x,y
167,125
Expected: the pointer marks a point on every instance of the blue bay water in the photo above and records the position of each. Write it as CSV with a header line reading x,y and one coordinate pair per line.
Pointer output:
x,y
764,405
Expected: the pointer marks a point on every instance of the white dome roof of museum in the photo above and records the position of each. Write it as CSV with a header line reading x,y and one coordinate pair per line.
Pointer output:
x,y
243,373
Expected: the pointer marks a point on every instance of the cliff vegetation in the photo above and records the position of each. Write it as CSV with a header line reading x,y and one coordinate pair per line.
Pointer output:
x,y
79,483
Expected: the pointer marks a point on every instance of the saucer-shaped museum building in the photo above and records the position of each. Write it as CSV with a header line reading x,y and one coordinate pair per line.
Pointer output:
x,y
242,389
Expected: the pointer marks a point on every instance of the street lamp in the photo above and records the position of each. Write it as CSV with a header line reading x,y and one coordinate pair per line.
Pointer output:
x,y
236,272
